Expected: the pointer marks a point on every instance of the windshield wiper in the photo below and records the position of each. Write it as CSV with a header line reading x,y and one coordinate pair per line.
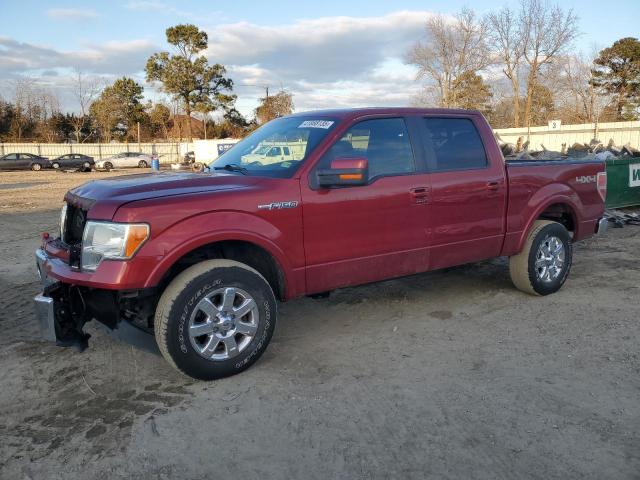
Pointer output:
x,y
233,167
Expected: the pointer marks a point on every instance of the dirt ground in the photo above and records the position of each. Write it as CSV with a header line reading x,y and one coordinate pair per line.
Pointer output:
x,y
451,374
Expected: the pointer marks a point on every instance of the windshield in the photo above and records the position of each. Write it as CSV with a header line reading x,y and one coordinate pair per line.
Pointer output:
x,y
276,149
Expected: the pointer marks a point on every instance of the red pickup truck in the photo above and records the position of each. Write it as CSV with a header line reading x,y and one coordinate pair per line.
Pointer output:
x,y
200,259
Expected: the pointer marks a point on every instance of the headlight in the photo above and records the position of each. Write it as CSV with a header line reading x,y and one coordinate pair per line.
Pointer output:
x,y
113,241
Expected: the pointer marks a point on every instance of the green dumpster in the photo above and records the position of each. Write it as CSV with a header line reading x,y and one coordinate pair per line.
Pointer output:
x,y
623,182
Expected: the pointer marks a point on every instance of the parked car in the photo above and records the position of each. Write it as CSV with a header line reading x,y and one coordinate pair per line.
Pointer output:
x,y
125,159
76,161
194,262
23,161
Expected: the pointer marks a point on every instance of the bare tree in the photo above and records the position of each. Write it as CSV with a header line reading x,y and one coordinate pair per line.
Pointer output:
x,y
274,106
48,106
507,38
85,90
454,47
588,100
547,32
25,108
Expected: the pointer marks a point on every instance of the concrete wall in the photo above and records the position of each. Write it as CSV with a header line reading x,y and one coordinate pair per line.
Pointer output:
x,y
167,152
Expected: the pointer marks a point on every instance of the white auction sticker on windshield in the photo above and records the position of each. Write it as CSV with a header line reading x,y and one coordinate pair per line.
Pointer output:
x,y
316,124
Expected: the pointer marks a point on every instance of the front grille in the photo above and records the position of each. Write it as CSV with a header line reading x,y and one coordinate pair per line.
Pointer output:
x,y
74,225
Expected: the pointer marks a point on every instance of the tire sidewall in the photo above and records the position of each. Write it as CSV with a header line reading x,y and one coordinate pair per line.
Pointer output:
x,y
544,288
178,342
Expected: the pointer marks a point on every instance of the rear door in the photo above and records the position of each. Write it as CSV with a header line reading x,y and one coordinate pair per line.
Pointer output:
x,y
132,159
360,234
24,161
469,192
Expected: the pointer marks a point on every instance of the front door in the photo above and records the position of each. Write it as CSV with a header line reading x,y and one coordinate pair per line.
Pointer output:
x,y
360,234
10,162
468,193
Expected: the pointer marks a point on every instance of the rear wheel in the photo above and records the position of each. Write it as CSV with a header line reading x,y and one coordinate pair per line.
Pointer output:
x,y
36,166
215,319
544,263
108,166
142,164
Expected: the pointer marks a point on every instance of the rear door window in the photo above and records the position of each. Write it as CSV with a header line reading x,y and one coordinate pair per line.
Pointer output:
x,y
453,144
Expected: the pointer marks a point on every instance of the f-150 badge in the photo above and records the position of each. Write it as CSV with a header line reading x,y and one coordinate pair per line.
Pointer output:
x,y
278,205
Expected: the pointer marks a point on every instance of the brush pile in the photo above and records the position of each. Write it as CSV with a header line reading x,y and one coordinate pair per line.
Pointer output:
x,y
587,151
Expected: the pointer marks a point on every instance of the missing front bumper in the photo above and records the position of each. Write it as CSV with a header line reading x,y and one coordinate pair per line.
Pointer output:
x,y
62,310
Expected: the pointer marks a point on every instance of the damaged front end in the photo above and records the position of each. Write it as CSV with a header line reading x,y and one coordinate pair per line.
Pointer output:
x,y
63,310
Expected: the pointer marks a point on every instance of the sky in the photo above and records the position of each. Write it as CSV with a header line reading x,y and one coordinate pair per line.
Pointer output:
x,y
327,53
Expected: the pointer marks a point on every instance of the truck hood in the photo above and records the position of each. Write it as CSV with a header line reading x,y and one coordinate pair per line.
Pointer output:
x,y
103,197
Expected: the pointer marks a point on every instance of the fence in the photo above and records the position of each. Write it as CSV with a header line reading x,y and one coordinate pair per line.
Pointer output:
x,y
167,152
552,139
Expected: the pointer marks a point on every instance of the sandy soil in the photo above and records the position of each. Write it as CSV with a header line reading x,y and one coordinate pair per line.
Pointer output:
x,y
450,374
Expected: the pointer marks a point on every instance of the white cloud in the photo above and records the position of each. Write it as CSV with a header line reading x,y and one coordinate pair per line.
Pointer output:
x,y
71,14
325,48
20,58
324,62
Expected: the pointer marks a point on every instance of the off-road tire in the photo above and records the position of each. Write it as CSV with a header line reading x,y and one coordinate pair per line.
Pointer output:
x,y
522,266
142,164
178,301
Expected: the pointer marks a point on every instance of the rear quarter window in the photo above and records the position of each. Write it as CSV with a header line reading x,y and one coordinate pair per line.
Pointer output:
x,y
453,144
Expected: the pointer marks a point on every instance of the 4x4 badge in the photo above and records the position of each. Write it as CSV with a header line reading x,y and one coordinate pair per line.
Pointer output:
x,y
278,205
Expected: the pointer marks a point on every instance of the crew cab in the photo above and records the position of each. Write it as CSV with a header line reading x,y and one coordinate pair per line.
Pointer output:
x,y
198,261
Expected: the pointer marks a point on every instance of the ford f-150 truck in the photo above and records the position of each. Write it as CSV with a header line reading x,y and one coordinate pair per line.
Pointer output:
x,y
199,260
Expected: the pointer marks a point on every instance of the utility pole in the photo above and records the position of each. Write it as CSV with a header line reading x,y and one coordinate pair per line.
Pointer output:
x,y
139,147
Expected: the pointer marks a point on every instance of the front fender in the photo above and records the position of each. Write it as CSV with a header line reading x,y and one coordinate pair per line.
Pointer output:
x,y
170,245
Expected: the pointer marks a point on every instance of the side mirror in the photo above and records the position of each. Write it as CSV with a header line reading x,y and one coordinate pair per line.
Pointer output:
x,y
344,171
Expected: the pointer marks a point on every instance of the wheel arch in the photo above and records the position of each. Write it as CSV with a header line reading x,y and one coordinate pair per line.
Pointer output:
x,y
563,208
252,251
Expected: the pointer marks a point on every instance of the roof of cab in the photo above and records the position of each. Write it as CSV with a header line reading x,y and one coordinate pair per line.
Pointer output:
x,y
345,113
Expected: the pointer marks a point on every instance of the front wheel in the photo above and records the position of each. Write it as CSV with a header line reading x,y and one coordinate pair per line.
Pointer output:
x,y
55,165
543,265
142,164
215,319
86,167
36,166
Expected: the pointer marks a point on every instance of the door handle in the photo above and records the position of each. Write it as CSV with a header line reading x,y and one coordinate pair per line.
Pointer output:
x,y
493,186
420,194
